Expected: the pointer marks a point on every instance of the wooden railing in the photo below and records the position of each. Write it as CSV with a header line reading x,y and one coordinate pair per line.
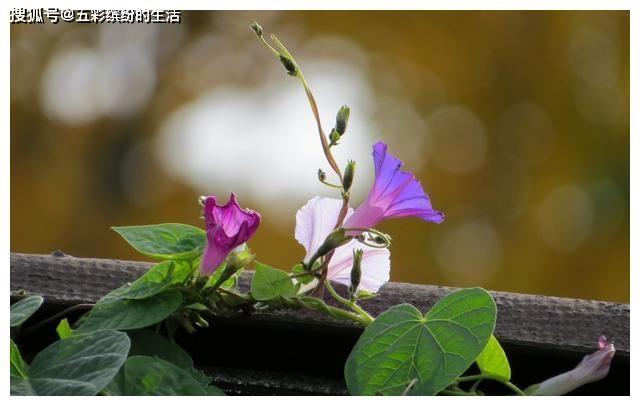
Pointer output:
x,y
532,328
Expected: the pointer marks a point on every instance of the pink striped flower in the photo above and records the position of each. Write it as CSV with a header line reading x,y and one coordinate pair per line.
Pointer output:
x,y
314,221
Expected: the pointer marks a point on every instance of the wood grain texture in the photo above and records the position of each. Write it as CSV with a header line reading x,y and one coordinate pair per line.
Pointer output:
x,y
524,320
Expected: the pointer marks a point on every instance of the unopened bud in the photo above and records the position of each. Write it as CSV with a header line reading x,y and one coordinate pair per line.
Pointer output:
x,y
255,27
184,321
238,260
356,271
347,179
322,176
199,321
334,137
363,295
235,262
341,119
592,368
288,65
335,239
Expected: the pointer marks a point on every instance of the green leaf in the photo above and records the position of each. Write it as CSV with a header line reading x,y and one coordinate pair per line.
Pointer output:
x,y
19,377
402,345
24,309
165,241
157,279
493,361
64,329
146,342
149,376
269,283
113,296
214,391
231,283
298,268
130,314
79,365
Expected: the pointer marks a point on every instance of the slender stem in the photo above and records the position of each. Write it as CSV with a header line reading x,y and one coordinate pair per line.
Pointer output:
x,y
408,388
314,108
469,378
335,312
514,388
475,385
343,210
351,305
455,393
481,376
330,184
237,295
269,47
81,306
313,272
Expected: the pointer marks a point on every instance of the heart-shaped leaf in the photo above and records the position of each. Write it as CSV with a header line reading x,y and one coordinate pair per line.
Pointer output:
x,y
269,283
165,241
130,314
493,361
24,309
145,342
149,376
79,365
402,345
157,279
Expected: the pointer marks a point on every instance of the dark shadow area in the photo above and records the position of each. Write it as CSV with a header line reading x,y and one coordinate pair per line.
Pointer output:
x,y
257,357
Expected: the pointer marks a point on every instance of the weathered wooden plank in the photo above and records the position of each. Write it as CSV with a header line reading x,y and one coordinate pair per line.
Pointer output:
x,y
524,320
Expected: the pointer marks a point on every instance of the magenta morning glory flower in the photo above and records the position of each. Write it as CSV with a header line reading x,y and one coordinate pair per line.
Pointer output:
x,y
592,368
314,221
394,194
228,226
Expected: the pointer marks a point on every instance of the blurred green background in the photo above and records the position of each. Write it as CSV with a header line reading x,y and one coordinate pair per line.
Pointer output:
x,y
517,124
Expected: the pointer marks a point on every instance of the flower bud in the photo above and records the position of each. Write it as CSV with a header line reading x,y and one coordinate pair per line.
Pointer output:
x,y
184,321
236,261
592,368
255,27
322,176
335,239
198,320
347,179
289,65
341,119
334,137
356,272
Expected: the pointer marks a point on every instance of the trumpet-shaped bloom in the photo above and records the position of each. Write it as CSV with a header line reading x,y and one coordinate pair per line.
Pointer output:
x,y
395,193
592,368
315,220
228,226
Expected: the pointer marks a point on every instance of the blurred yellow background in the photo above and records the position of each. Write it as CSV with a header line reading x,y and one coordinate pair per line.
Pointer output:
x,y
517,124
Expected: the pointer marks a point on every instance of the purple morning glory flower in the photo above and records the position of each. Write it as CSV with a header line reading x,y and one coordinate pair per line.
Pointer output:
x,y
228,226
394,194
